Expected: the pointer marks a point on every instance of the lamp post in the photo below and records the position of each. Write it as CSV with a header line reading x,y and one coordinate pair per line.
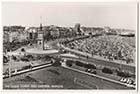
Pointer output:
x,y
43,40
10,65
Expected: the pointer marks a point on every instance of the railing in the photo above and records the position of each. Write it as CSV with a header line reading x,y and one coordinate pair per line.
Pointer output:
x,y
28,69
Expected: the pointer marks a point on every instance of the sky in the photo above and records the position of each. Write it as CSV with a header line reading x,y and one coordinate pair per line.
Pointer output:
x,y
115,15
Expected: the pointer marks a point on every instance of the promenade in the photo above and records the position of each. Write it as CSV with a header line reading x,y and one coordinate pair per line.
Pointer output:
x,y
40,51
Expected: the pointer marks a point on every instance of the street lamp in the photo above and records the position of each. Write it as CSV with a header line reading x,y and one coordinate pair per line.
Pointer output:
x,y
10,63
43,41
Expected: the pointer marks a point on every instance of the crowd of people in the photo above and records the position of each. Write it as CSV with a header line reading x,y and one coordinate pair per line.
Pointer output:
x,y
109,47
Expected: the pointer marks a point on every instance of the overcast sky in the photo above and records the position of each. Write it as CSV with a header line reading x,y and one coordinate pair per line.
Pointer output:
x,y
116,15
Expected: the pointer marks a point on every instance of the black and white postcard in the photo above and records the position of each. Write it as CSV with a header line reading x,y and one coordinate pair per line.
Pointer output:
x,y
69,45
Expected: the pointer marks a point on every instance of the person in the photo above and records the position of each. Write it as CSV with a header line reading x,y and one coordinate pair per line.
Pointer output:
x,y
87,56
6,73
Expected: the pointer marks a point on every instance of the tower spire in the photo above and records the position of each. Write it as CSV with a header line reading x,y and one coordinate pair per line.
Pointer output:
x,y
40,23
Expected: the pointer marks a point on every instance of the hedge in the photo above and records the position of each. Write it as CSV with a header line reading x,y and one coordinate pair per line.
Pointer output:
x,y
107,70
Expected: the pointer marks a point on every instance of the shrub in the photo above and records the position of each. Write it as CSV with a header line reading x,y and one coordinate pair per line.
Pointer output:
x,y
56,64
26,67
90,66
70,61
78,63
5,59
24,59
69,64
22,49
29,56
124,74
107,70
14,58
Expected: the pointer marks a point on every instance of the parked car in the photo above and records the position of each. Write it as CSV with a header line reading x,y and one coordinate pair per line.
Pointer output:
x,y
88,70
91,71
128,81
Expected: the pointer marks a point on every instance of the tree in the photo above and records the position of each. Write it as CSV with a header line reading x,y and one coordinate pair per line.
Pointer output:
x,y
5,59
22,49
124,74
14,57
69,64
57,62
119,54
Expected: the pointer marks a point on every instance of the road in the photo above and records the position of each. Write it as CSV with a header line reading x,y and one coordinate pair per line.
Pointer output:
x,y
104,63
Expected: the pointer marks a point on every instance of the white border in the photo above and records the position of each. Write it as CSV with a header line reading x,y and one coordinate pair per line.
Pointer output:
x,y
65,91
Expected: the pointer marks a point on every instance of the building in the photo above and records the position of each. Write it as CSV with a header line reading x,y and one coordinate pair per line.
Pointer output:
x,y
6,34
77,28
23,36
32,33
14,33
5,37
54,32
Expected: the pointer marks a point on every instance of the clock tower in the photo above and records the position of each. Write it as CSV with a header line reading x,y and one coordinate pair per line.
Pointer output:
x,y
40,40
